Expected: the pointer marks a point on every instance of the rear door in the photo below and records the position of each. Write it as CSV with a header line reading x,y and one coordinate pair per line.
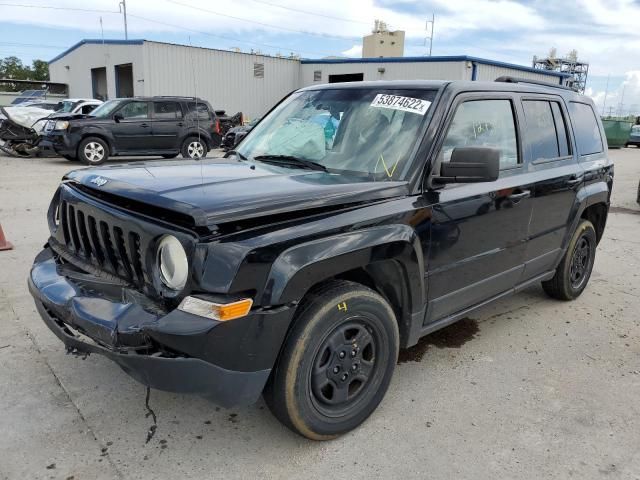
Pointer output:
x,y
476,249
133,131
168,125
557,176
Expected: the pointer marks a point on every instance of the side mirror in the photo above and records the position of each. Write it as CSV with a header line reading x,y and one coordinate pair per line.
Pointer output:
x,y
470,165
118,117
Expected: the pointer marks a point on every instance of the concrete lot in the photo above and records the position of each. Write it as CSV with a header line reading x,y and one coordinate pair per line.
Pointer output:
x,y
528,388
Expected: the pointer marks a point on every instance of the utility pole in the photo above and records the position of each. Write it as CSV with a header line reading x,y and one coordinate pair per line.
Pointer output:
x,y
430,32
123,10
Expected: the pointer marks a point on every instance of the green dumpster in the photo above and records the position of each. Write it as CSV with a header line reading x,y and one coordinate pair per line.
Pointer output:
x,y
617,132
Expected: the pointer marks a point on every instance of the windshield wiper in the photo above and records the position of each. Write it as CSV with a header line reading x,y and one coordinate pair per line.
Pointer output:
x,y
292,161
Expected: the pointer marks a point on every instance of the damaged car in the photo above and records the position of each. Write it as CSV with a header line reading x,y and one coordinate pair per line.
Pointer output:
x,y
354,220
22,127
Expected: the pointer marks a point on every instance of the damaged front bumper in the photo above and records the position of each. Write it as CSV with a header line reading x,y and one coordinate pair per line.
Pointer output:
x,y
173,351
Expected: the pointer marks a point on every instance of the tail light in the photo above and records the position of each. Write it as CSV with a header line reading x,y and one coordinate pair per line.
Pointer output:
x,y
216,128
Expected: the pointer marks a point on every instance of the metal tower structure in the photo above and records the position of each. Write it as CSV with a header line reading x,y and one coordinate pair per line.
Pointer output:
x,y
569,64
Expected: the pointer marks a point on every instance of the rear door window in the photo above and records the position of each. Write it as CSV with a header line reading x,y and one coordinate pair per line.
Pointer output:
x,y
484,123
166,110
586,128
546,129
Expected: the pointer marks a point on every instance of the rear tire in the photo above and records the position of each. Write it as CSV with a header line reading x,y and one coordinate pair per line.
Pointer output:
x,y
93,151
194,147
337,361
574,270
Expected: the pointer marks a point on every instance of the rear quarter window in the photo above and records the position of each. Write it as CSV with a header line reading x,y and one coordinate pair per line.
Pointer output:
x,y
198,110
586,128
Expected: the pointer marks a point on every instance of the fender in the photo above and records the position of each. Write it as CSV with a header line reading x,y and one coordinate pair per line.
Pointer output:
x,y
393,249
586,196
194,133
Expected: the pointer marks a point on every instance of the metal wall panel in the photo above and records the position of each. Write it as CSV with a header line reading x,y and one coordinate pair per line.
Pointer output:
x,y
225,79
491,72
392,71
74,69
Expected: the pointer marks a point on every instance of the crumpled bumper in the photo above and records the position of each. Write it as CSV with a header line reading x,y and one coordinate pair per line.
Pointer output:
x,y
105,319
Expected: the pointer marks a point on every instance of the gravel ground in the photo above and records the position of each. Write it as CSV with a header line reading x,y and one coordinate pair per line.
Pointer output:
x,y
526,388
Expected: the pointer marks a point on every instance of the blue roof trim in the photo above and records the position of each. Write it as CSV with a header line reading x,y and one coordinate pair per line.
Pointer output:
x,y
95,41
447,58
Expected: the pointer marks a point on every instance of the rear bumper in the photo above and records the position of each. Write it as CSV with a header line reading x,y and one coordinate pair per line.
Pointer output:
x,y
140,341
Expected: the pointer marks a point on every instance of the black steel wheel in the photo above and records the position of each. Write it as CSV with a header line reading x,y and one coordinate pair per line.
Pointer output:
x,y
574,270
337,361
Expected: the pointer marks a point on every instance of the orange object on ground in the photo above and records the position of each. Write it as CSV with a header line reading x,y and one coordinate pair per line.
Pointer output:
x,y
4,244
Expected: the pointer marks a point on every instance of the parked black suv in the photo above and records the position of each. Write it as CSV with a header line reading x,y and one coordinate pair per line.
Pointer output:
x,y
355,219
163,126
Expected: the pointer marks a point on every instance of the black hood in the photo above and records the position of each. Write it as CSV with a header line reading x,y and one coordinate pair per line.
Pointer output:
x,y
215,191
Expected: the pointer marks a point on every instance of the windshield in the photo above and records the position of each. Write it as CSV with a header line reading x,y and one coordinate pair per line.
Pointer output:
x,y
361,131
65,106
106,108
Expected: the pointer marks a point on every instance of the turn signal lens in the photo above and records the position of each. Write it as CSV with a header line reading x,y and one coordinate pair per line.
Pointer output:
x,y
216,311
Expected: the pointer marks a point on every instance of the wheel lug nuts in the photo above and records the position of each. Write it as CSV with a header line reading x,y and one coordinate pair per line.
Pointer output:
x,y
341,355
345,376
354,367
336,369
353,353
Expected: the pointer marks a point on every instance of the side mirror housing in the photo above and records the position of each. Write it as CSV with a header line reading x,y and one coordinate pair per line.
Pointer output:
x,y
470,165
118,117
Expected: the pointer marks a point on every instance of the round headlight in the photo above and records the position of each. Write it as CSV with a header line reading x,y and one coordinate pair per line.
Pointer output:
x,y
172,263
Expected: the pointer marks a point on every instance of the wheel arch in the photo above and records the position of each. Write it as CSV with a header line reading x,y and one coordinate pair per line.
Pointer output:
x,y
387,259
102,136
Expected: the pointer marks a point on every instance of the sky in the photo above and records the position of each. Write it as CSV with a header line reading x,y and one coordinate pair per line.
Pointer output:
x,y
606,33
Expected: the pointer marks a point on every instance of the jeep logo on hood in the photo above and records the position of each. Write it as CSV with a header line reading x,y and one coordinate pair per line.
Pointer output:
x,y
99,181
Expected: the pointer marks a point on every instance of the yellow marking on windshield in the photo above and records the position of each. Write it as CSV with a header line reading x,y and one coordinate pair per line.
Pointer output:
x,y
386,169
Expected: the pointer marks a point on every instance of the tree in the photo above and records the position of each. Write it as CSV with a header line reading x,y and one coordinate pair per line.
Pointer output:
x,y
39,70
12,67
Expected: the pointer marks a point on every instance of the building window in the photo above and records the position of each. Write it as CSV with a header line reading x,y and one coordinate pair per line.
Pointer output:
x,y
317,75
258,70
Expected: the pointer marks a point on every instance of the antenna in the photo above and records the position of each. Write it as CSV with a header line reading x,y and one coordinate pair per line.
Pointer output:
x,y
430,32
195,96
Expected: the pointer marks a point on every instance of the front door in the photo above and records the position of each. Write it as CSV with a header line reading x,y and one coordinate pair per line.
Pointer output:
x,y
167,125
478,235
133,130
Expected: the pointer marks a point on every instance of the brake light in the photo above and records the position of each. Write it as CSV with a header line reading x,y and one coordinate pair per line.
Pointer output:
x,y
217,127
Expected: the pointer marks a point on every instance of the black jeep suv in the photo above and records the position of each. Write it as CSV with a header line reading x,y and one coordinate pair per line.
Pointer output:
x,y
353,220
164,126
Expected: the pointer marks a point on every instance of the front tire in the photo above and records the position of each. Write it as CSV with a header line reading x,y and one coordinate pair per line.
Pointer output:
x,y
194,147
93,151
574,270
337,361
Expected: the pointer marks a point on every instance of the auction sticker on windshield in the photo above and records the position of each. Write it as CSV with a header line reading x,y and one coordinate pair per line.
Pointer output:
x,y
397,102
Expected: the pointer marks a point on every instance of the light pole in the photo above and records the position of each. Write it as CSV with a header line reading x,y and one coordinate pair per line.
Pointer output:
x,y
123,9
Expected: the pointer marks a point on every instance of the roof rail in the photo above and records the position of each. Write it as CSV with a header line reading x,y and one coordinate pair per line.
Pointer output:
x,y
508,79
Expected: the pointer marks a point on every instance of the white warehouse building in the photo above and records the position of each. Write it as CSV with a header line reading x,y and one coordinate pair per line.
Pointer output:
x,y
246,82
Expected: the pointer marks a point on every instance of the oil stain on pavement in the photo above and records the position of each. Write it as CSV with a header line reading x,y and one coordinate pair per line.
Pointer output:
x,y
453,336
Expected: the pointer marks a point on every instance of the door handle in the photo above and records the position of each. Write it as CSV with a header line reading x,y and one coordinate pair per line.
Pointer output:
x,y
516,197
144,125
575,180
